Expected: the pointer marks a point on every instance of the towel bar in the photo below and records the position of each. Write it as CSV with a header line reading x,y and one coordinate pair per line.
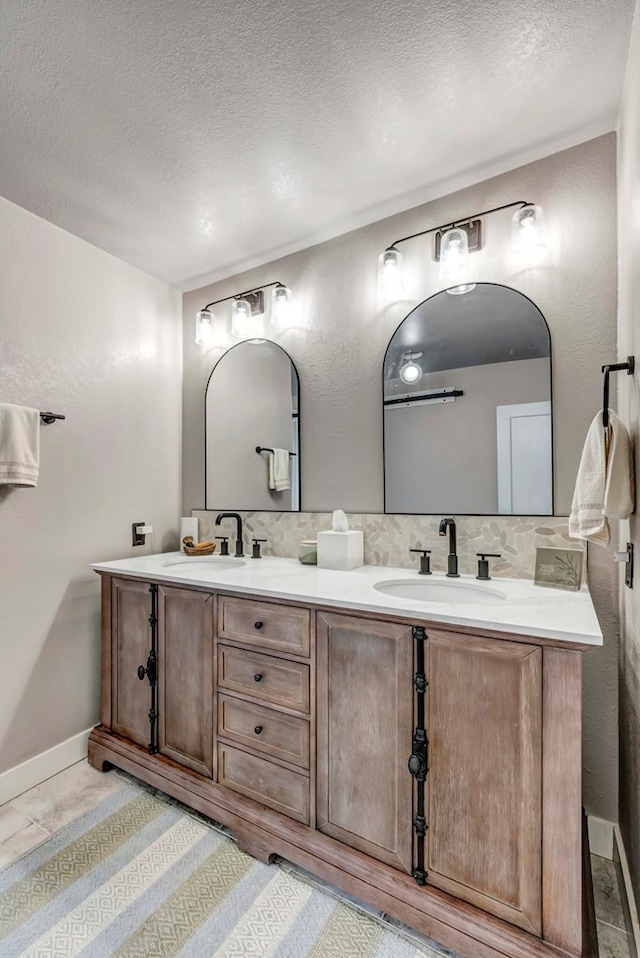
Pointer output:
x,y
266,449
630,366
50,417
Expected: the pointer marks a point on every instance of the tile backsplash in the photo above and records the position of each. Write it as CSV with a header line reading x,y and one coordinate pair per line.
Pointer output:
x,y
388,538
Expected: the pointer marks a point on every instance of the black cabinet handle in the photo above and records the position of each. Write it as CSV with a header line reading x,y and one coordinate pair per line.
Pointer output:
x,y
258,625
258,729
257,677
417,765
141,672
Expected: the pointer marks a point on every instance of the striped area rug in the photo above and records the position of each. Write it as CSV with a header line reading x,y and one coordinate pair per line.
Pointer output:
x,y
138,877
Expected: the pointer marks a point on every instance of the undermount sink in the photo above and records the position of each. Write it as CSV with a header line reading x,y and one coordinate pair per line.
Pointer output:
x,y
430,590
219,563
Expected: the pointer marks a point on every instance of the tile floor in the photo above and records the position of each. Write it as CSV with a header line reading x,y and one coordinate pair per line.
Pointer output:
x,y
34,816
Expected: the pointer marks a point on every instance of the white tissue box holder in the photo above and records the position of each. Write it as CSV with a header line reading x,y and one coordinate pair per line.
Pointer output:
x,y
341,550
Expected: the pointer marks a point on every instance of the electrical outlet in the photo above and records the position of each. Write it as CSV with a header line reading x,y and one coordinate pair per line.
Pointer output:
x,y
137,537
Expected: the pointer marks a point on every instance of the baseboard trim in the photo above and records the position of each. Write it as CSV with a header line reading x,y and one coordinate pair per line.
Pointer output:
x,y
600,837
28,774
629,905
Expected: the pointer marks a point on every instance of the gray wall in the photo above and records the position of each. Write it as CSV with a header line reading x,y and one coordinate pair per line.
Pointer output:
x,y
629,409
86,335
339,357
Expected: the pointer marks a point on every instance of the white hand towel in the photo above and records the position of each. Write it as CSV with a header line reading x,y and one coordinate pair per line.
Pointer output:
x,y
279,470
619,493
19,445
604,485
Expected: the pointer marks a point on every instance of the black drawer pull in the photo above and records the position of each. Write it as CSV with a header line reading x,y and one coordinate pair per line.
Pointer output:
x,y
258,625
257,677
258,729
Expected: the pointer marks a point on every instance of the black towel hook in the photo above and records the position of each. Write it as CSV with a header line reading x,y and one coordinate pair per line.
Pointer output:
x,y
630,366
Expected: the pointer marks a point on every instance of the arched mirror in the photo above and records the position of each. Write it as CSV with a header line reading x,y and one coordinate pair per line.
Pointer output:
x,y
467,407
252,409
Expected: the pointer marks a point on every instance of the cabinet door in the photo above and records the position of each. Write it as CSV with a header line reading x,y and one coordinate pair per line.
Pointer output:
x,y
185,677
484,711
365,707
131,644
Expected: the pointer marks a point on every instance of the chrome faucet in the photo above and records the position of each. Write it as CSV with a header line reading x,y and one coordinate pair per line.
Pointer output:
x,y
452,562
239,541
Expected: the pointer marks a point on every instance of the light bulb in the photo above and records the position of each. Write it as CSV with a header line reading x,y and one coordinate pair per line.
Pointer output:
x,y
454,258
411,371
244,325
204,327
528,233
391,273
282,315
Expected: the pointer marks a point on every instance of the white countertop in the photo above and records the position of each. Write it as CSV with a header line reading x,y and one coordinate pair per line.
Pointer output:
x,y
520,606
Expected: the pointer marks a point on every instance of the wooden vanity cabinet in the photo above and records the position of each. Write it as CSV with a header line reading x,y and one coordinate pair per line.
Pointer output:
x,y
294,725
365,723
484,785
126,646
183,645
264,700
185,677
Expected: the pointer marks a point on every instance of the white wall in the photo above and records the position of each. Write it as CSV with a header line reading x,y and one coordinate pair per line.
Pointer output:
x,y
629,409
83,334
339,357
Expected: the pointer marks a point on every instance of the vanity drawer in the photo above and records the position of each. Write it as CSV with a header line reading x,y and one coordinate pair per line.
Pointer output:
x,y
279,788
264,677
266,624
261,728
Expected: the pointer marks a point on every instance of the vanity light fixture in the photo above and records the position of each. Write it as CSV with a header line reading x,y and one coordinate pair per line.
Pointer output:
x,y
244,325
528,232
454,242
282,307
247,320
454,261
391,273
204,327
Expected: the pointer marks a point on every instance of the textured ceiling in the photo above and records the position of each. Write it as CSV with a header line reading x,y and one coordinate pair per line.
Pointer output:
x,y
194,138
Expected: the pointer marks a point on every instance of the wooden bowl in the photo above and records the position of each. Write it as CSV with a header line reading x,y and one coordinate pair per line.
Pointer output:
x,y
192,549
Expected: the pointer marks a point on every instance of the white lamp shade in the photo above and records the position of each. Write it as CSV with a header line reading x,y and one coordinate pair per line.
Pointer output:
x,y
528,236
391,273
282,308
244,325
204,327
454,257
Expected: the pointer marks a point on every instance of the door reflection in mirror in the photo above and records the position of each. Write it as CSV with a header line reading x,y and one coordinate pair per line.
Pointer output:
x,y
251,400
467,407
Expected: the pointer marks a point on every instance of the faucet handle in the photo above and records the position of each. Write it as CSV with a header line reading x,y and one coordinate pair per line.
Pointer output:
x,y
256,548
425,560
224,548
483,563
